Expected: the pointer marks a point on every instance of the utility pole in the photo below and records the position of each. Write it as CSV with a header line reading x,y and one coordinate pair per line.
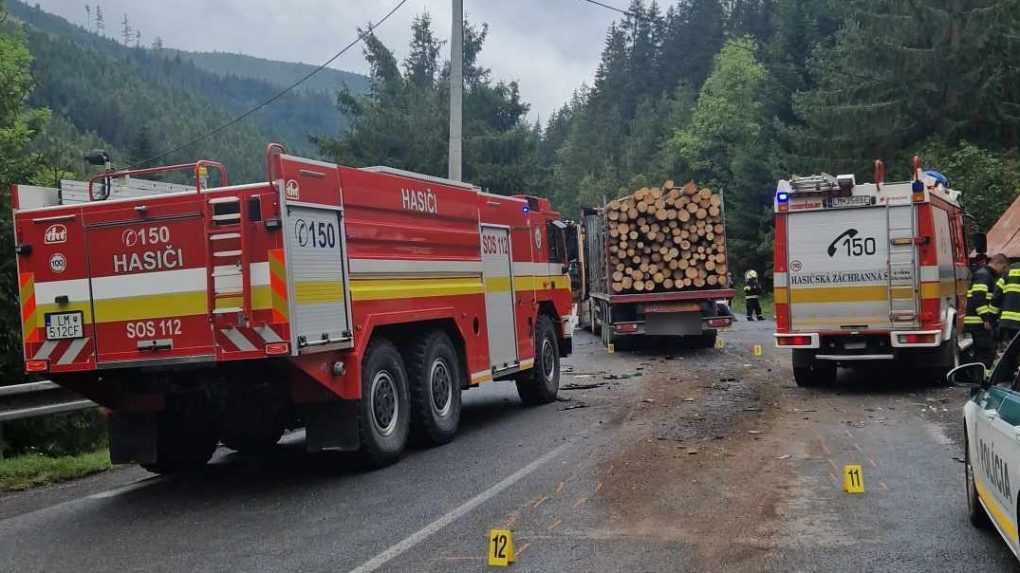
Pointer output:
x,y
456,90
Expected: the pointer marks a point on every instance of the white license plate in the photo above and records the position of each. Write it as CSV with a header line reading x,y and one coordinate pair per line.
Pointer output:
x,y
860,201
61,325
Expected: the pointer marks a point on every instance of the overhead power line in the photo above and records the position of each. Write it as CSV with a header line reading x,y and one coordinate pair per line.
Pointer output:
x,y
371,28
615,9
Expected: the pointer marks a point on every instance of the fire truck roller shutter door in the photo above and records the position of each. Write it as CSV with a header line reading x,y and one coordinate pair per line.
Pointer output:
x,y
315,261
499,296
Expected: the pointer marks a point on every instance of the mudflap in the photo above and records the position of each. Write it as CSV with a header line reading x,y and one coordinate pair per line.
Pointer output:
x,y
133,437
331,426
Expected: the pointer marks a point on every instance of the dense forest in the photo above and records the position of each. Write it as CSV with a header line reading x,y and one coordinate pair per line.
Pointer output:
x,y
732,93
142,101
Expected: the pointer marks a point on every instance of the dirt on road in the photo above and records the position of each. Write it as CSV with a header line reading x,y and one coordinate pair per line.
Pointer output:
x,y
712,456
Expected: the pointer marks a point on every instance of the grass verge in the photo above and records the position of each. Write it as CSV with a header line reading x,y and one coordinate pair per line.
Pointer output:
x,y
33,470
740,309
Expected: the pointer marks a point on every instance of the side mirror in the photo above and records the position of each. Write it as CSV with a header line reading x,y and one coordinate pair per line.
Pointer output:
x,y
973,374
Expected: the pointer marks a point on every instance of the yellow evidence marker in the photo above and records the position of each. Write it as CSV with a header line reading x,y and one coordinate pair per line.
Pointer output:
x,y
720,343
611,348
757,350
853,479
501,548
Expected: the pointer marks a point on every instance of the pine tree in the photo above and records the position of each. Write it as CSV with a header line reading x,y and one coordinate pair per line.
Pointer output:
x,y
422,62
125,31
898,74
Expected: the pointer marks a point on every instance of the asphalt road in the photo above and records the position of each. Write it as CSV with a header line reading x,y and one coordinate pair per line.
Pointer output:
x,y
660,459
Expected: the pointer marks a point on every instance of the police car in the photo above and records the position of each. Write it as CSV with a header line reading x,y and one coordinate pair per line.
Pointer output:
x,y
992,419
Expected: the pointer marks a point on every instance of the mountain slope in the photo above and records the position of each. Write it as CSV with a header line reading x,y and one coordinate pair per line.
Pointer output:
x,y
275,72
130,96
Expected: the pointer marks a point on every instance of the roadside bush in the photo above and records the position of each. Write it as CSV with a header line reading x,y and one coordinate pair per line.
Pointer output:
x,y
59,435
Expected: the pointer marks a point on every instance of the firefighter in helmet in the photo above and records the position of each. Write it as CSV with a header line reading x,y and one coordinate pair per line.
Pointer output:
x,y
752,290
983,307
1007,301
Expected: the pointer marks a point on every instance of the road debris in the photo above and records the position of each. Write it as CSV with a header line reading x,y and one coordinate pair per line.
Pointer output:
x,y
583,386
574,406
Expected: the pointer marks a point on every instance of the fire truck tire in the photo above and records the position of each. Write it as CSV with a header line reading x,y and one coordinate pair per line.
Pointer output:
x,y
541,384
384,419
254,440
436,380
186,436
811,373
947,359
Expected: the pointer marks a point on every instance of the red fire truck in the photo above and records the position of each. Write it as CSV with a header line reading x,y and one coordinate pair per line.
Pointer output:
x,y
870,273
357,303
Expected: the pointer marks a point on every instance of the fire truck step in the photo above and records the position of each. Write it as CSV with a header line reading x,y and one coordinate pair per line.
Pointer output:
x,y
224,236
224,254
227,217
226,310
228,293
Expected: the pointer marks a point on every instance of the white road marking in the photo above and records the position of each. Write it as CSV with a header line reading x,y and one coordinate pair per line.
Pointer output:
x,y
128,488
424,533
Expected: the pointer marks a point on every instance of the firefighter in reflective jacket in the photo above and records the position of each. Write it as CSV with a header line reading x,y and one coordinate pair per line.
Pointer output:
x,y
1007,301
982,307
752,290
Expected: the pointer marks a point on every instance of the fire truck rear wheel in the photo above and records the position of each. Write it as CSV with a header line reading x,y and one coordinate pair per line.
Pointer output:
x,y
436,381
541,384
811,373
186,435
384,419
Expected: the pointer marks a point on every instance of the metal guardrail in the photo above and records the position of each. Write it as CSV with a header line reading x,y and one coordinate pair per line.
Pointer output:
x,y
28,401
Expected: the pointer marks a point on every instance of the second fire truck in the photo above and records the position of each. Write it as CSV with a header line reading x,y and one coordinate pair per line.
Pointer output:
x,y
870,273
357,303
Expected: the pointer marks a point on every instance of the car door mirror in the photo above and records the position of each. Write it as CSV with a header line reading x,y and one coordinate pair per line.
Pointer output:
x,y
973,374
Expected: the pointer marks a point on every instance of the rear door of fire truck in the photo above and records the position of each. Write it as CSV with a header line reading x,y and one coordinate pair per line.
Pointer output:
x,y
852,268
147,278
315,250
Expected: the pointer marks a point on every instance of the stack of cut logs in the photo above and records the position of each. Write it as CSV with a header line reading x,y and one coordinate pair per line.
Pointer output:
x,y
666,238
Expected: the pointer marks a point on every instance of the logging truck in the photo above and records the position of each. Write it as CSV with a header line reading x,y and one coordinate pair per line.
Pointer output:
x,y
356,303
870,273
654,264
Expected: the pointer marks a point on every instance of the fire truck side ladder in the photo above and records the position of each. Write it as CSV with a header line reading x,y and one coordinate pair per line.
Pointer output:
x,y
229,268
901,222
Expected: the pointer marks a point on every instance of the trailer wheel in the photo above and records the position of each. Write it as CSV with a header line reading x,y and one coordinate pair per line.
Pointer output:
x,y
384,407
541,384
605,326
811,373
436,381
186,435
705,340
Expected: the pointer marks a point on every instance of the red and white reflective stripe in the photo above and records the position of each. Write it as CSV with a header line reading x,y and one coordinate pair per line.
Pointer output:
x,y
248,339
69,350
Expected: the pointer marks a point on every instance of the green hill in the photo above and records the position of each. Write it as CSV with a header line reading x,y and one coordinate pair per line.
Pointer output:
x,y
144,101
277,73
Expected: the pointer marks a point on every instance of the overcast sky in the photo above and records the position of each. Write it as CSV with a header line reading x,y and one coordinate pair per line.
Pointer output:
x,y
549,46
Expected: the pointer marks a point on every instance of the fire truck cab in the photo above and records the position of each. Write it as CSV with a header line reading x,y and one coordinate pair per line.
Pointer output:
x,y
357,303
870,273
